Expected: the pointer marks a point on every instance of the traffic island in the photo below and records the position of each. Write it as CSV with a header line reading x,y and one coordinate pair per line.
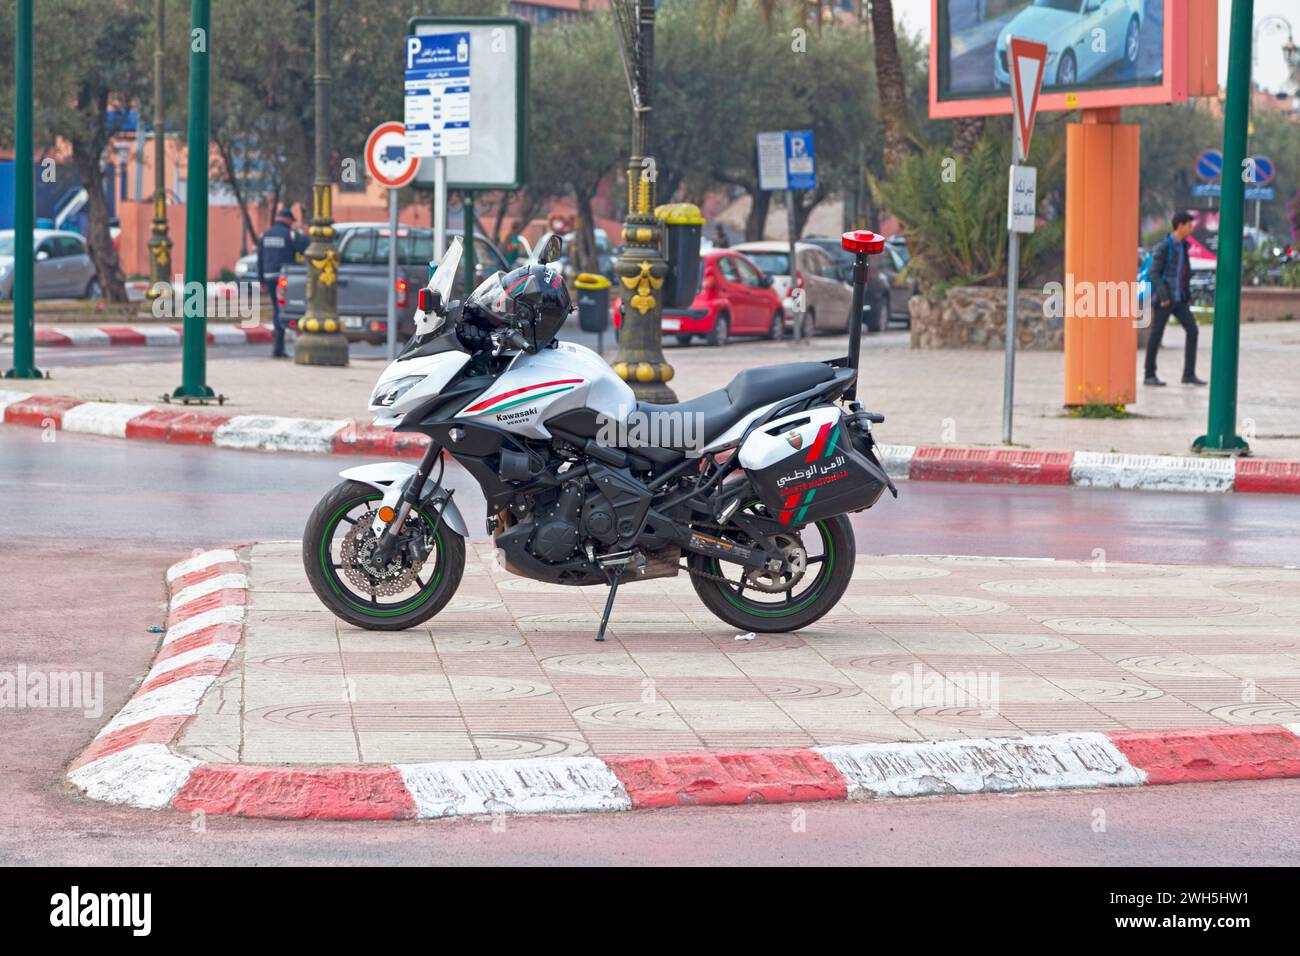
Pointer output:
x,y
936,675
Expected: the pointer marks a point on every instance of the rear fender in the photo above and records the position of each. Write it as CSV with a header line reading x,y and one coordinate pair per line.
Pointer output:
x,y
391,478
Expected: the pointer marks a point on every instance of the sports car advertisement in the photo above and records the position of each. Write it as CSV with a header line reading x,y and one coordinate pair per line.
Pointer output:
x,y
1091,44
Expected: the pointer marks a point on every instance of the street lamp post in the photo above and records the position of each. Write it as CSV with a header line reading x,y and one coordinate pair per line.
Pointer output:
x,y
320,337
641,267
24,357
160,244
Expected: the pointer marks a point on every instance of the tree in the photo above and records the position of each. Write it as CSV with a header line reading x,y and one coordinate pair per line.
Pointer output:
x,y
720,86
891,80
579,128
85,90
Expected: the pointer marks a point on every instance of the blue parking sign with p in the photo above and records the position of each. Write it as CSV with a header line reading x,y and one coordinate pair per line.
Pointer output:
x,y
800,161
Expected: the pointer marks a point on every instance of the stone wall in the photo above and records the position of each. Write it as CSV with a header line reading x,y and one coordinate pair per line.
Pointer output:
x,y
1269,304
975,317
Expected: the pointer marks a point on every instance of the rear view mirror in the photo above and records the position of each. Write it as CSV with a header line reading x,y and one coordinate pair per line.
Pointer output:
x,y
42,256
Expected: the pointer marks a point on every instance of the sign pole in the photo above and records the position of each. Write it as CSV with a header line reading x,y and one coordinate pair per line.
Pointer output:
x,y
1020,183
439,207
794,269
1013,282
1221,433
1013,286
24,357
392,274
390,166
467,213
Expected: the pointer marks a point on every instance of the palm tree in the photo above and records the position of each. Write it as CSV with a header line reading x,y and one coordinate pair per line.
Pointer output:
x,y
892,84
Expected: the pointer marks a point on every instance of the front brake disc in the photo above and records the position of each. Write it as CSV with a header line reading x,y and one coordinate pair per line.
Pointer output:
x,y
357,554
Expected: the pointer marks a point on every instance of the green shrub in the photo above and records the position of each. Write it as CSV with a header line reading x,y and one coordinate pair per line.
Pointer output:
x,y
953,210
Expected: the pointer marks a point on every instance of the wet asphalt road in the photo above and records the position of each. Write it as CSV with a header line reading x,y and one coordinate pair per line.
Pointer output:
x,y
82,488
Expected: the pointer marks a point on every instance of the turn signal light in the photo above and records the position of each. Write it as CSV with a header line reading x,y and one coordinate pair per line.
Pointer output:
x,y
282,289
387,514
863,240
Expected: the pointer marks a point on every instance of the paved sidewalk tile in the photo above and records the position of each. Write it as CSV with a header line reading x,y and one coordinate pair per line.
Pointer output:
x,y
922,648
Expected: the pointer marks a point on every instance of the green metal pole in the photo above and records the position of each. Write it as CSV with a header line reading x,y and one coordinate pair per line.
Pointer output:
x,y
195,355
1221,435
24,201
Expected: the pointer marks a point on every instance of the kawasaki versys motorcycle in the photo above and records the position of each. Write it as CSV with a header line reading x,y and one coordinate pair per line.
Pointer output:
x,y
750,484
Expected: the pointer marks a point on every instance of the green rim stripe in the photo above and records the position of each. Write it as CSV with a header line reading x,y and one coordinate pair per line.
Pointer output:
x,y
750,609
364,609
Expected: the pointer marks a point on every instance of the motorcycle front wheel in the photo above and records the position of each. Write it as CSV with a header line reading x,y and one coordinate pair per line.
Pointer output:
x,y
405,592
820,564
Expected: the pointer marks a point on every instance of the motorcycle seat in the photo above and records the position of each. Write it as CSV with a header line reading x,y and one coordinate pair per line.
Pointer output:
x,y
751,389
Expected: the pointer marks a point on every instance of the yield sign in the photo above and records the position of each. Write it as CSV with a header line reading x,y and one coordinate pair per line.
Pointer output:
x,y
1028,60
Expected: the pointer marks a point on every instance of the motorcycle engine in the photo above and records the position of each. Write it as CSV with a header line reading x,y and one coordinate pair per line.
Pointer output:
x,y
556,537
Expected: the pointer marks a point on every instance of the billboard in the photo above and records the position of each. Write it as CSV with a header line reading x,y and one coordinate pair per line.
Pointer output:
x,y
1100,53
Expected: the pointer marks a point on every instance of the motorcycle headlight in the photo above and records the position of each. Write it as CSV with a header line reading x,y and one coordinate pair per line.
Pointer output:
x,y
387,393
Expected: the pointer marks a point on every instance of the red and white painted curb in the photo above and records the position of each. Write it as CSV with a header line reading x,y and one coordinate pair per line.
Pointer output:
x,y
1089,469
132,762
63,336
903,462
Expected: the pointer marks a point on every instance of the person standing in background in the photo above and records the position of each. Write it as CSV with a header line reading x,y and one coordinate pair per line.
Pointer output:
x,y
278,247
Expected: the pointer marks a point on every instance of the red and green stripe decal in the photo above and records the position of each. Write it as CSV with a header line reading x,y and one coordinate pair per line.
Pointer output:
x,y
828,437
518,396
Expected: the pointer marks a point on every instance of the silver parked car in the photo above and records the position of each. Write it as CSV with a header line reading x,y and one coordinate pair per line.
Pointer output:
x,y
62,267
827,298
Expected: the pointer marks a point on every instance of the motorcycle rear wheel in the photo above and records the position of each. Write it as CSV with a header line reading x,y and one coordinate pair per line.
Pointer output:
x,y
346,510
831,552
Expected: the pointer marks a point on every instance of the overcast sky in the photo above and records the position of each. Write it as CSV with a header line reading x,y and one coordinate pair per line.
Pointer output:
x,y
1271,72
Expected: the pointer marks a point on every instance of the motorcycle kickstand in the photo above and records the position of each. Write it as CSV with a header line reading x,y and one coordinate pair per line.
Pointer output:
x,y
609,601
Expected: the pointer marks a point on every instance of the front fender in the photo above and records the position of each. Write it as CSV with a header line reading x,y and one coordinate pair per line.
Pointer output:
x,y
391,477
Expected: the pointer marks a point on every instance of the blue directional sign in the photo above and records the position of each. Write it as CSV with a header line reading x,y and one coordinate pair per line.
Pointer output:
x,y
1255,193
1209,165
786,160
437,94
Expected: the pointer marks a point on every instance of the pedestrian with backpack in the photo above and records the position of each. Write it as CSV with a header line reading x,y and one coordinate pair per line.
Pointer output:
x,y
1170,277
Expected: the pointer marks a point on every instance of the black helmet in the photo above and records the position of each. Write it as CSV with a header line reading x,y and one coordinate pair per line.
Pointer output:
x,y
532,299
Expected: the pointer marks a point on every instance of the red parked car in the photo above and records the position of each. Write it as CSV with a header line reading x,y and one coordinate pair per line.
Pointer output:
x,y
734,297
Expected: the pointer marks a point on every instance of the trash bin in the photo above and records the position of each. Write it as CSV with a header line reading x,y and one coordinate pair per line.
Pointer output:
x,y
593,302
683,225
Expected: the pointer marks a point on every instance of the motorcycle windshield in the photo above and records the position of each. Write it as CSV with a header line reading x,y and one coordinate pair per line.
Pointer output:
x,y
440,282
